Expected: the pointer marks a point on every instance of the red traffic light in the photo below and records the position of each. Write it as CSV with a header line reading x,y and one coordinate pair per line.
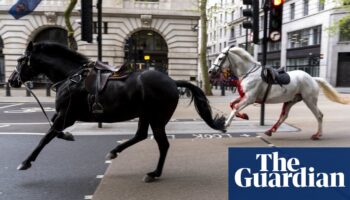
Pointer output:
x,y
277,2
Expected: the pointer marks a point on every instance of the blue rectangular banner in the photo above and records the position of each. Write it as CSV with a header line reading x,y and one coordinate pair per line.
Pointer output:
x,y
23,8
289,173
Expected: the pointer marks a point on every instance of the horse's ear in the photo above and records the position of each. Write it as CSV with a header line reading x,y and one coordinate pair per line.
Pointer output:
x,y
29,47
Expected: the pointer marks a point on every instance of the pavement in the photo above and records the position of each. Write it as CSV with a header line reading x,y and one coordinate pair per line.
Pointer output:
x,y
197,168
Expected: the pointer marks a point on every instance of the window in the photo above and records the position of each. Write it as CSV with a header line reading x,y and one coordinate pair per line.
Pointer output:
x,y
104,27
292,11
274,46
232,15
306,7
344,33
240,12
321,5
240,29
303,63
305,37
233,32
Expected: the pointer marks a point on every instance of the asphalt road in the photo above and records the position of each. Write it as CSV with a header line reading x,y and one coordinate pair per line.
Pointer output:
x,y
64,170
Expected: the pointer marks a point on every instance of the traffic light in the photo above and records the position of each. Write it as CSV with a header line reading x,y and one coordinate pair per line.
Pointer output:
x,y
252,14
86,20
276,20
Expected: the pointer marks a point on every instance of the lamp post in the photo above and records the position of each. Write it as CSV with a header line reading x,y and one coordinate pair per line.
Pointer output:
x,y
99,36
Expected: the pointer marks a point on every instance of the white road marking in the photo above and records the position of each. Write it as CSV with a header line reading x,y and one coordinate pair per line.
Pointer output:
x,y
20,133
99,176
108,161
245,135
12,105
30,110
5,125
88,197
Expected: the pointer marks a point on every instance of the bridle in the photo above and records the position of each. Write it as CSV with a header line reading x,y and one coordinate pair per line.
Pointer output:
x,y
219,65
25,61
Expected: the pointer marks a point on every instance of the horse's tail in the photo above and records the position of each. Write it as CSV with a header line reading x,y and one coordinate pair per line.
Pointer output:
x,y
203,107
330,92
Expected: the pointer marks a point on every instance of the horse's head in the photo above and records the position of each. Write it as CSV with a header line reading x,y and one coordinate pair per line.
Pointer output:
x,y
234,59
220,63
24,71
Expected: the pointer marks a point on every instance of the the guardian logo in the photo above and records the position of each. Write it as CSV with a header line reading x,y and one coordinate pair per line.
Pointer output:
x,y
289,173
277,171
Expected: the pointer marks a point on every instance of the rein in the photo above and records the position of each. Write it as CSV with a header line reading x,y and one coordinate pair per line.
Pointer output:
x,y
37,100
78,74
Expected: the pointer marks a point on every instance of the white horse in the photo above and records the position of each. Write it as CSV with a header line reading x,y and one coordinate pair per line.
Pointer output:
x,y
252,88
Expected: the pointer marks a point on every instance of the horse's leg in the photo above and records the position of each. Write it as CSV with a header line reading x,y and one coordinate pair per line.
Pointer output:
x,y
240,115
284,114
312,105
238,107
140,135
65,136
59,124
163,145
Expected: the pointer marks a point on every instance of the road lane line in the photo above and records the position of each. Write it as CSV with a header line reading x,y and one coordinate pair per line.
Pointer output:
x,y
88,197
99,176
12,105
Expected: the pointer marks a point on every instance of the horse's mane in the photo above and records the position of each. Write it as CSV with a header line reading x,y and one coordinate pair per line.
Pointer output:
x,y
244,55
59,50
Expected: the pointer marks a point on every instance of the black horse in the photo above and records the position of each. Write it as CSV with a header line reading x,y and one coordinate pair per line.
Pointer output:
x,y
149,95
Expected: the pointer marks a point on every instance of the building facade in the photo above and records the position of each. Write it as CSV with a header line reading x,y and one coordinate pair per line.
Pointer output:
x,y
307,42
157,34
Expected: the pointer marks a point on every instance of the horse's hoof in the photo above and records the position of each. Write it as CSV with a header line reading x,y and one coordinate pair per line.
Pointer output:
x,y
315,137
111,156
24,166
148,179
245,116
68,136
268,133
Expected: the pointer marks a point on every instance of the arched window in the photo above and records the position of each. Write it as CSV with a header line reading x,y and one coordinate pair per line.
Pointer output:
x,y
147,49
54,34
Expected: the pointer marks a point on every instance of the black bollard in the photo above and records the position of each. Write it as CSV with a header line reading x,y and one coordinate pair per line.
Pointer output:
x,y
48,90
27,91
8,90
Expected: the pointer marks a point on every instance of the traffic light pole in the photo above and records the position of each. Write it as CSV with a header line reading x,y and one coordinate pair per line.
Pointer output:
x,y
263,60
99,36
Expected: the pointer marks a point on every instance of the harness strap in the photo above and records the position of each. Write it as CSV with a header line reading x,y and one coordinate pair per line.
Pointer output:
x,y
267,92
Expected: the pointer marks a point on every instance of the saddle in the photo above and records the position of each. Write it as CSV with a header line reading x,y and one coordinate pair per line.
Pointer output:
x,y
97,79
275,76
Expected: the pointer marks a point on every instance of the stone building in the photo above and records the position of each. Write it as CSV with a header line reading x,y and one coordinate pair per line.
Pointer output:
x,y
163,33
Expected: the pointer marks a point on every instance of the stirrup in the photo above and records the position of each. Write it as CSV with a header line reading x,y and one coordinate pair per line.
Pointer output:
x,y
97,108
